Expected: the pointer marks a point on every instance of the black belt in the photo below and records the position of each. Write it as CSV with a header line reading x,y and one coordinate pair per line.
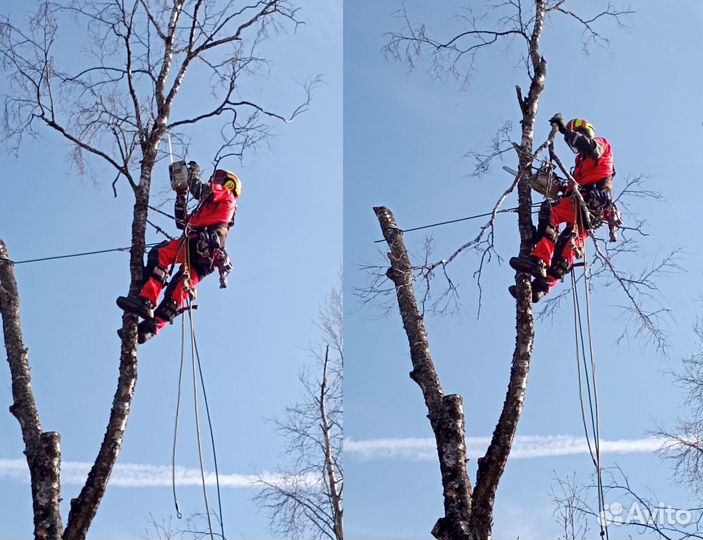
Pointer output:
x,y
601,184
210,228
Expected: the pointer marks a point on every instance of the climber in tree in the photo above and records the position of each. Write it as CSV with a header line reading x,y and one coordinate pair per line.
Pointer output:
x,y
200,250
554,252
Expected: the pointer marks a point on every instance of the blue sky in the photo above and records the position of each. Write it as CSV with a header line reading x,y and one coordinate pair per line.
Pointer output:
x,y
253,336
404,138
405,135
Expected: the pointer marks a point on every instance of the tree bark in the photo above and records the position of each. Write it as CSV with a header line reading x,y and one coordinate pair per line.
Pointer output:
x,y
492,465
43,449
445,413
85,506
334,494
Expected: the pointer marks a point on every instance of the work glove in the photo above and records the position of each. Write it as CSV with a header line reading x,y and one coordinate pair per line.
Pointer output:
x,y
193,170
558,120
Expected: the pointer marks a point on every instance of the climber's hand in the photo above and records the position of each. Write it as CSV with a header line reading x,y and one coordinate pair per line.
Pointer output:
x,y
558,120
193,170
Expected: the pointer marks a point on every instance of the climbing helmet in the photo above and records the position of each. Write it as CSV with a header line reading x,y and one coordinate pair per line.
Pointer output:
x,y
228,179
581,124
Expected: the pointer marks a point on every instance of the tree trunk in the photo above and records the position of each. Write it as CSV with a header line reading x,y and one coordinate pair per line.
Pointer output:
x,y
334,492
42,449
446,413
492,465
85,506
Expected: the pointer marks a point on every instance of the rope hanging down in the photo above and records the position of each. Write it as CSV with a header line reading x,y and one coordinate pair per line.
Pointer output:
x,y
197,374
592,389
198,381
582,221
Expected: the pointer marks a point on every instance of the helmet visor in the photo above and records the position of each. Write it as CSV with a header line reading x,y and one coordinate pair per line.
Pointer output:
x,y
220,176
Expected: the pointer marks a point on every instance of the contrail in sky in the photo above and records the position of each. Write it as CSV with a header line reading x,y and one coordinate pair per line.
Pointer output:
x,y
525,447
137,475
409,449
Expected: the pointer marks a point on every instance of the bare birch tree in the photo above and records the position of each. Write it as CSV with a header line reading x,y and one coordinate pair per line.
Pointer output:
x,y
307,502
567,497
114,105
684,443
468,509
631,513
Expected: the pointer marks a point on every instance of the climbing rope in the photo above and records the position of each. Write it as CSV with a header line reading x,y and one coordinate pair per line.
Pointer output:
x,y
196,411
592,386
578,334
197,374
198,381
175,427
458,220
70,255
210,429
580,215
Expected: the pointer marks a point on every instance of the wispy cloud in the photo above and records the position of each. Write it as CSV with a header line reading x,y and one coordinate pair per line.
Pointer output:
x,y
525,447
137,476
410,449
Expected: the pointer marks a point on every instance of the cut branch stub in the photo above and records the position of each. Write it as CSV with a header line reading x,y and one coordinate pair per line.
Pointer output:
x,y
446,413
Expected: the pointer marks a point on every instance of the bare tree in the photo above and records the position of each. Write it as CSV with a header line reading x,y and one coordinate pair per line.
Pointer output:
x,y
631,512
469,509
567,497
116,108
196,526
307,502
631,507
684,444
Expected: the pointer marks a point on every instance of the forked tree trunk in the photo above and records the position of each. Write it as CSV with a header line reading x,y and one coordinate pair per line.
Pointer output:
x,y
467,514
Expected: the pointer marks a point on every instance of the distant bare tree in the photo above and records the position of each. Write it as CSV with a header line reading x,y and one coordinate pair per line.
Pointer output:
x,y
684,446
567,497
196,527
115,100
307,502
631,512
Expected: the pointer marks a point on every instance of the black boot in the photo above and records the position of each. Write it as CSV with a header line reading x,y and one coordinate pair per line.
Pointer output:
x,y
145,331
540,288
137,305
530,265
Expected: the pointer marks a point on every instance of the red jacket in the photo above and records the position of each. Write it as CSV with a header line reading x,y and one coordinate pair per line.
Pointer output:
x,y
589,170
219,209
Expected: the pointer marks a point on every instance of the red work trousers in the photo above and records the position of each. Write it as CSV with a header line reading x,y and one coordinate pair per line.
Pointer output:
x,y
169,253
565,211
